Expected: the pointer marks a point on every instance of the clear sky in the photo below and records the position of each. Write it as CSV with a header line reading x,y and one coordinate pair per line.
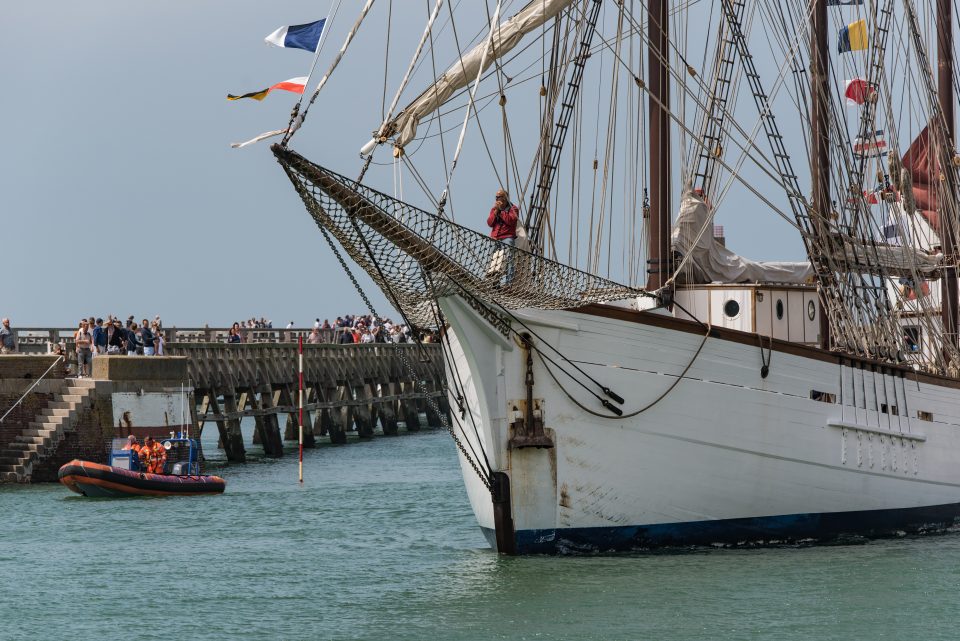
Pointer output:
x,y
120,192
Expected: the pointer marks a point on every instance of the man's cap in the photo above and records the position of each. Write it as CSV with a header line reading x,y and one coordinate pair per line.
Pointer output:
x,y
99,320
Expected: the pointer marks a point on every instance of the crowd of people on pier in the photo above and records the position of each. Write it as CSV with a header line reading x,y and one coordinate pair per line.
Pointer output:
x,y
347,329
368,329
95,336
113,336
253,323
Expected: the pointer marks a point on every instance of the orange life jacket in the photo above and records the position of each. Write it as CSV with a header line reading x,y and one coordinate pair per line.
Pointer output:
x,y
159,457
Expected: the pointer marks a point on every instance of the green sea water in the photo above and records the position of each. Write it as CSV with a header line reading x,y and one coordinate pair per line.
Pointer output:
x,y
380,543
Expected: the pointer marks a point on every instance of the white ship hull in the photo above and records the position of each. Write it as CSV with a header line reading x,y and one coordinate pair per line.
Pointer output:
x,y
727,456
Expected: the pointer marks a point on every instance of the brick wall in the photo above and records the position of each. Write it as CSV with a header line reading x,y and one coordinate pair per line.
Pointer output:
x,y
88,440
21,415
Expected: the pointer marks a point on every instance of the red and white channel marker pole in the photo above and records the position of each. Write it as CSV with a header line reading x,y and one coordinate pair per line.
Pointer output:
x,y
300,419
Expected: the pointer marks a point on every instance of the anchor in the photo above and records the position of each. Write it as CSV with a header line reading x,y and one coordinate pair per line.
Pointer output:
x,y
526,430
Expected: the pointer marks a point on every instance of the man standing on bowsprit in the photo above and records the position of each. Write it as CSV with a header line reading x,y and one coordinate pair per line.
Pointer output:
x,y
503,225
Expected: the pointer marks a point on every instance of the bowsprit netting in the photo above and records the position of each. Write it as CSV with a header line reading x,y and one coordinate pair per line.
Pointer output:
x,y
415,256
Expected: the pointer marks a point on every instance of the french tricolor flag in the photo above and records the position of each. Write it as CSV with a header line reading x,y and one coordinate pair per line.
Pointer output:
x,y
298,36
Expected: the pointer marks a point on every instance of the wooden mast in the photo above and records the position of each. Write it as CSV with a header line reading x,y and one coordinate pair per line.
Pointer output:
x,y
820,138
948,284
658,225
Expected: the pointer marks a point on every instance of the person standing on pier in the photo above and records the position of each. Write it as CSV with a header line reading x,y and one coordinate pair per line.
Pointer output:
x,y
146,337
115,335
130,338
8,342
99,337
84,342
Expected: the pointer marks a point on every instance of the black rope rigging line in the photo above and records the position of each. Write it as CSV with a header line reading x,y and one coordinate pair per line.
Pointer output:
x,y
765,360
602,387
484,476
694,318
636,412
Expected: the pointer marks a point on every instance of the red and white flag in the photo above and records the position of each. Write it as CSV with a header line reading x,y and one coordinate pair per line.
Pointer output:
x,y
870,146
859,91
296,85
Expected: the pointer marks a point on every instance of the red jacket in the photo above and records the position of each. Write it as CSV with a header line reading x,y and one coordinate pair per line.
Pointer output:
x,y
503,225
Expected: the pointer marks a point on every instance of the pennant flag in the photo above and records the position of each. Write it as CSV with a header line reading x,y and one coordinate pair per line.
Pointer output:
x,y
843,3
298,36
870,147
859,91
296,85
853,37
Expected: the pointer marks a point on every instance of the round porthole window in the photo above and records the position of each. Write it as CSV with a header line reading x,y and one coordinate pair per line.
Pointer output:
x,y
779,309
731,308
811,310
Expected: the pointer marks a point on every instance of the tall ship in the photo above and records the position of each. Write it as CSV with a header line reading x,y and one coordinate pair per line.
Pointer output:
x,y
619,378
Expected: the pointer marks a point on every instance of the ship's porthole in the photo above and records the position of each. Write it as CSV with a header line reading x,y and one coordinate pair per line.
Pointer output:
x,y
811,310
779,309
731,308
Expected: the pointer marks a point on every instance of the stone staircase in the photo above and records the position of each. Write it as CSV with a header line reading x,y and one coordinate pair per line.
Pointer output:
x,y
42,435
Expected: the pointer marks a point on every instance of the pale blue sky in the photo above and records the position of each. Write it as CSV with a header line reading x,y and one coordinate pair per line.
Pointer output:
x,y
121,193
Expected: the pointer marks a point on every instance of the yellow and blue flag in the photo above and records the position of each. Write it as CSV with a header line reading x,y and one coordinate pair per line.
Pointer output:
x,y
853,37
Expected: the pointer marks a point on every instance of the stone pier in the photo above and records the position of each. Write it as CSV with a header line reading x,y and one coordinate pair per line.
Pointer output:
x,y
347,388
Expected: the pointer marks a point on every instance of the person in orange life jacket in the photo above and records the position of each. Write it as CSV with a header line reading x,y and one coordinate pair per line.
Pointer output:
x,y
146,453
132,444
159,457
134,448
503,225
153,456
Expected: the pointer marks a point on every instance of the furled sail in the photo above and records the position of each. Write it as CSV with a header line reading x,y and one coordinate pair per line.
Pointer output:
x,y
894,260
922,165
712,262
464,70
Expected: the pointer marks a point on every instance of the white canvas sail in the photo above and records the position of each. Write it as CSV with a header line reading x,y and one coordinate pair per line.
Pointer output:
x,y
507,36
712,262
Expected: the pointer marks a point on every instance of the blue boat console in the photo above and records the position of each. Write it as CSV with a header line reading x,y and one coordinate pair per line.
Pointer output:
x,y
183,455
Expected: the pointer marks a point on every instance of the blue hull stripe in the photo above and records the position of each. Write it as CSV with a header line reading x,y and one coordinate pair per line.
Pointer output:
x,y
756,530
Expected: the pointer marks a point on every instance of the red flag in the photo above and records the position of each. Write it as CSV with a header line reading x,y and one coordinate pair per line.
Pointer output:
x,y
858,91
